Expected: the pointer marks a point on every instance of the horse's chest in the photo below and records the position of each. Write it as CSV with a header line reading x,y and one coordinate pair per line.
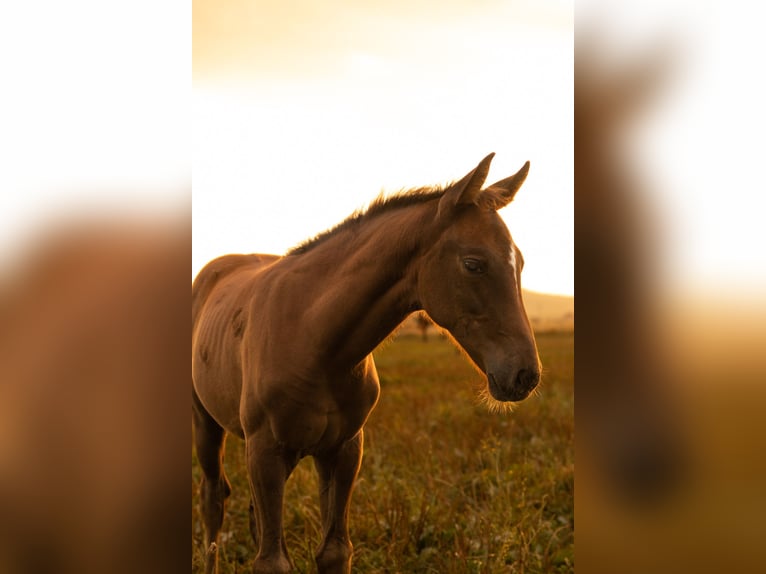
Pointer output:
x,y
323,419
351,410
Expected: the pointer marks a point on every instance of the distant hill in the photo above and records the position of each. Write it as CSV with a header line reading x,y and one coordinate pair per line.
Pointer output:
x,y
549,312
546,312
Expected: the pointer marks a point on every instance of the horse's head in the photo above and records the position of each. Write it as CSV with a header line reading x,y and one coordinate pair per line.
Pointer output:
x,y
470,283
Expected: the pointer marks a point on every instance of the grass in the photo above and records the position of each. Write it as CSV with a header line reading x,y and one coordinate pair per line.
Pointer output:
x,y
445,486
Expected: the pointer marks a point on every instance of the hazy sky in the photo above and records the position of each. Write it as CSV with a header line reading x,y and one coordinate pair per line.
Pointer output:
x,y
304,111
95,114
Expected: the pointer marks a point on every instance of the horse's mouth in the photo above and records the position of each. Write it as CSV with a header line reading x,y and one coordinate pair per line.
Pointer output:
x,y
514,394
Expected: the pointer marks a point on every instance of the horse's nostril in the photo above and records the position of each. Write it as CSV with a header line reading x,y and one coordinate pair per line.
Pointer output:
x,y
527,379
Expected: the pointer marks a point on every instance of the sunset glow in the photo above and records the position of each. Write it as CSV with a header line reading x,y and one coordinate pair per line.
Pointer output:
x,y
302,116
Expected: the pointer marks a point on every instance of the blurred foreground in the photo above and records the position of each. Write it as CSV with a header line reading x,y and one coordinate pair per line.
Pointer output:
x,y
671,324
95,249
94,402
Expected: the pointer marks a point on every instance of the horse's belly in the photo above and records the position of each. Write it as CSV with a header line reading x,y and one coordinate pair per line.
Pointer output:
x,y
217,378
220,397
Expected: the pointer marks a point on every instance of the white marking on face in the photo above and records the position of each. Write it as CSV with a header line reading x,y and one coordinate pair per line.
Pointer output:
x,y
512,261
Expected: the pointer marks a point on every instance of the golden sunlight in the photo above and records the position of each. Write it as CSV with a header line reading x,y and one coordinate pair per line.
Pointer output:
x,y
302,117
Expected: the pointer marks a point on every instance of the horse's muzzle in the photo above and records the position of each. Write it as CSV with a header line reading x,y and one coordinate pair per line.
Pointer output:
x,y
518,389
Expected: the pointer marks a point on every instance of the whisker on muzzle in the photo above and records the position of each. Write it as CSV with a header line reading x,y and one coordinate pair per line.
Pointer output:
x,y
485,399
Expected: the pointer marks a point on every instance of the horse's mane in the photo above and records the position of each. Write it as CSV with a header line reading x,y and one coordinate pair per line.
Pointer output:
x,y
381,204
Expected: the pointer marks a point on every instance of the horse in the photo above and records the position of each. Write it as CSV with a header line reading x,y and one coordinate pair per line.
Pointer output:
x,y
281,345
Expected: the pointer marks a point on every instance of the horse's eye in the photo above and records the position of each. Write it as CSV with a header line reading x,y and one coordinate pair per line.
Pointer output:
x,y
473,265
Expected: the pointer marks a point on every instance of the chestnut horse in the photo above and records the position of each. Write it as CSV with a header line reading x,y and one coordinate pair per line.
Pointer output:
x,y
281,346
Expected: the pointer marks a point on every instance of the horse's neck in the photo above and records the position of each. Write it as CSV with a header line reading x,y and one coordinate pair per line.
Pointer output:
x,y
368,282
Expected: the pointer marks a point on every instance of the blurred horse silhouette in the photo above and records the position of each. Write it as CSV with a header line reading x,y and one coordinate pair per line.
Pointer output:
x,y
93,373
626,411
281,346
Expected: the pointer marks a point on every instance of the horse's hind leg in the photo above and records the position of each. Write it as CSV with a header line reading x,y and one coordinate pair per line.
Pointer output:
x,y
214,488
253,523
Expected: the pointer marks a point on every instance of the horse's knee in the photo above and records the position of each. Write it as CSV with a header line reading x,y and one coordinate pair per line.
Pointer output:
x,y
334,557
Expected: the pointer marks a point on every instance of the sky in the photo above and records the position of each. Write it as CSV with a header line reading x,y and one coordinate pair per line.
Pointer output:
x,y
303,112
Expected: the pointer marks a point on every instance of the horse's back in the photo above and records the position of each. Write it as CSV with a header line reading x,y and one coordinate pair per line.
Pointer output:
x,y
218,320
221,267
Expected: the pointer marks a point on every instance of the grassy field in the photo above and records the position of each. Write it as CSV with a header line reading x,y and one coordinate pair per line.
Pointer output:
x,y
445,486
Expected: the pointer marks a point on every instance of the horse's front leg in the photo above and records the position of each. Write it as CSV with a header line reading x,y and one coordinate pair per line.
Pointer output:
x,y
337,472
269,466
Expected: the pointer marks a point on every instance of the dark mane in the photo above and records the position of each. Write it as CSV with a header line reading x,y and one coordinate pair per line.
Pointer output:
x,y
381,204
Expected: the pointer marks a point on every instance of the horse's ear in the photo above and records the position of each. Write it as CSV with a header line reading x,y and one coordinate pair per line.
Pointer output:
x,y
467,190
501,193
